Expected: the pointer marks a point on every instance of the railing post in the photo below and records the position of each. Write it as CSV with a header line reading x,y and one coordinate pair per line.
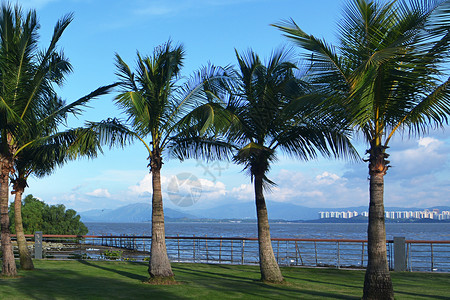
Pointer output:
x,y
220,251
278,251
432,258
399,254
38,245
315,252
194,248
299,254
338,256
231,252
362,255
288,260
243,247
408,256
206,245
178,243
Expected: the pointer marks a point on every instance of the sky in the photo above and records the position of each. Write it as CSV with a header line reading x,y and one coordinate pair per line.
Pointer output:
x,y
210,31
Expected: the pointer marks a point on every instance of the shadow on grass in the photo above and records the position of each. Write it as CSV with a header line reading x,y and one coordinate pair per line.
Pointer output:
x,y
119,272
421,285
123,280
249,286
218,275
335,282
87,283
418,296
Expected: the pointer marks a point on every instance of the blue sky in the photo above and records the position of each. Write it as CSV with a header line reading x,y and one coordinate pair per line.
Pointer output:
x,y
210,30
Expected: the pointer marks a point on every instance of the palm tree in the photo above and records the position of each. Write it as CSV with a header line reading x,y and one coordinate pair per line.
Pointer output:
x,y
30,110
387,74
25,78
270,110
154,105
46,148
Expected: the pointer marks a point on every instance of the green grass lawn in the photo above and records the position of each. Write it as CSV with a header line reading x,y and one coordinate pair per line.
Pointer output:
x,y
124,280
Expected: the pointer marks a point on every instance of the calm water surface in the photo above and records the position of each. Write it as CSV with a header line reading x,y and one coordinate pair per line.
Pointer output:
x,y
435,231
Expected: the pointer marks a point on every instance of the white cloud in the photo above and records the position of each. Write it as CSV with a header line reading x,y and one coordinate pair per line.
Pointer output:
x,y
143,186
428,156
326,189
100,193
427,141
181,186
327,178
244,192
70,200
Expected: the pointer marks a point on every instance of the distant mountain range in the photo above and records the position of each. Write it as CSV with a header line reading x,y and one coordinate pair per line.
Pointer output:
x,y
142,212
132,213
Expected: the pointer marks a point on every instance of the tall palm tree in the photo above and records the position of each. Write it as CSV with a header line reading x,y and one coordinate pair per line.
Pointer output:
x,y
154,104
387,74
30,109
269,110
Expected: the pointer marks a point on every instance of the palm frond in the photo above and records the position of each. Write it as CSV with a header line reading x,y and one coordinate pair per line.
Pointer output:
x,y
393,55
199,99
75,107
112,132
326,61
197,147
42,155
126,77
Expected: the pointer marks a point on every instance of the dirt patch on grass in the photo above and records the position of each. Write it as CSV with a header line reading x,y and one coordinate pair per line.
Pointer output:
x,y
162,281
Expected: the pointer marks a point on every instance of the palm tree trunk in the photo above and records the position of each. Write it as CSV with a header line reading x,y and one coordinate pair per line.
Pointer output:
x,y
26,263
377,281
159,266
270,271
9,264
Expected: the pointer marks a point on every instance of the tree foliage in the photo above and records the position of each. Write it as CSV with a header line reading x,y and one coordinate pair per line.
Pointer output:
x,y
50,219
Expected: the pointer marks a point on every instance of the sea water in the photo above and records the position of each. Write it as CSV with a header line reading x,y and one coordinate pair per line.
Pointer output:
x,y
424,231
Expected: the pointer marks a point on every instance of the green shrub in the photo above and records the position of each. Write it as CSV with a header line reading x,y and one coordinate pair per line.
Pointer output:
x,y
113,254
50,219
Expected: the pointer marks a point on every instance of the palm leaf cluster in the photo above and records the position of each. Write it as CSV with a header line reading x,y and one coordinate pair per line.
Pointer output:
x,y
260,109
157,105
30,109
389,65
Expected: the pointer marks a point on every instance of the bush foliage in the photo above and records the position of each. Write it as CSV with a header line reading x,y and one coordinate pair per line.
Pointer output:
x,y
50,219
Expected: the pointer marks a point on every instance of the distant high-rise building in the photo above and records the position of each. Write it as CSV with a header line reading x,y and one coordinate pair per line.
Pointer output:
x,y
425,214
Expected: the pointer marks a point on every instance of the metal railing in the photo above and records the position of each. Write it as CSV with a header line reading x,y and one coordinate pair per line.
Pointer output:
x,y
339,253
428,255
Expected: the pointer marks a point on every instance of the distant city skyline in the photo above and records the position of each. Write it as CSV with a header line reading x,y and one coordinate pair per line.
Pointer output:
x,y
403,214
